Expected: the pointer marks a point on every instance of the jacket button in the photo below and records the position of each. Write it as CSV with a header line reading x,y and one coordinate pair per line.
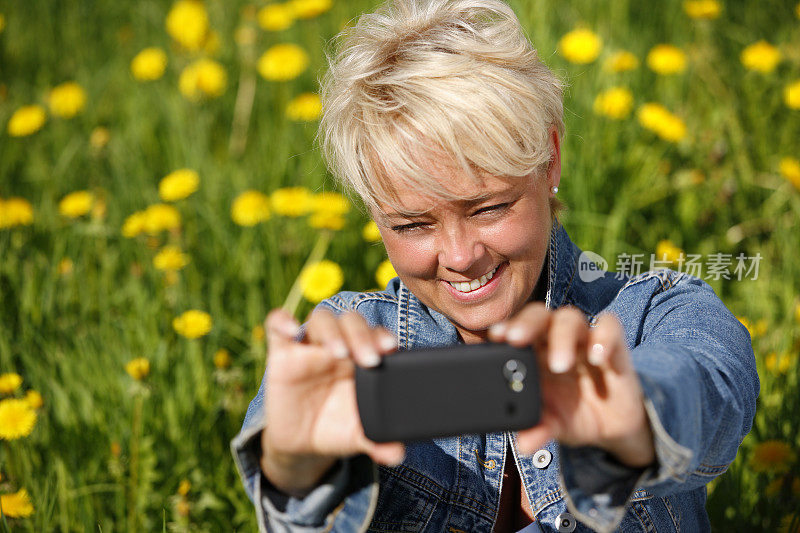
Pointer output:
x,y
565,523
542,458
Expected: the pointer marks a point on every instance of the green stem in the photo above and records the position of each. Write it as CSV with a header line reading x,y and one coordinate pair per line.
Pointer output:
x,y
133,489
316,255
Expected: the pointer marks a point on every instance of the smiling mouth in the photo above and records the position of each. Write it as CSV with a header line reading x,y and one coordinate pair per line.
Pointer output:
x,y
475,284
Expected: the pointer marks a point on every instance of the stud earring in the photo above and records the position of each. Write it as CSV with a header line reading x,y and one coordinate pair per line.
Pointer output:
x,y
554,189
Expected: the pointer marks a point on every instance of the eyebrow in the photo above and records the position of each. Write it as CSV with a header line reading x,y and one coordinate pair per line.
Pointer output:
x,y
465,203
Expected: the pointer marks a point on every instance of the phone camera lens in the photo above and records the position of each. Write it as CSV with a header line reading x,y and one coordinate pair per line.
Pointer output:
x,y
514,370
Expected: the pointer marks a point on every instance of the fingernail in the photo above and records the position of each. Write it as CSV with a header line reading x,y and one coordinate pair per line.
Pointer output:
x,y
515,334
596,355
340,351
387,343
498,329
559,362
370,358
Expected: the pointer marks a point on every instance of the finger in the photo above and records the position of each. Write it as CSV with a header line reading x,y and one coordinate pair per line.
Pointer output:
x,y
384,339
323,328
386,453
606,344
568,332
525,328
359,339
281,328
530,440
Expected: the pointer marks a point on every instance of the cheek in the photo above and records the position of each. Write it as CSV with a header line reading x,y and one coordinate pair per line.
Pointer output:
x,y
411,257
518,238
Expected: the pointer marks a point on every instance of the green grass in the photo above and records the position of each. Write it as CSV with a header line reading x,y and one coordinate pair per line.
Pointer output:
x,y
70,336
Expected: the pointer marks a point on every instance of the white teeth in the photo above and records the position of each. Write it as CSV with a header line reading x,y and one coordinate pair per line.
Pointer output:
x,y
469,286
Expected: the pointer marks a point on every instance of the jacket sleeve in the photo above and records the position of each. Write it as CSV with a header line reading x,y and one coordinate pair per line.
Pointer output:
x,y
344,501
698,374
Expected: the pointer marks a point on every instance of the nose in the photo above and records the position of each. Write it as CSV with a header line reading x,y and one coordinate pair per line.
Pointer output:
x,y
459,247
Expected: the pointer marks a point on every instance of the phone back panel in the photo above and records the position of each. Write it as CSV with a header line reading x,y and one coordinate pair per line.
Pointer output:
x,y
440,392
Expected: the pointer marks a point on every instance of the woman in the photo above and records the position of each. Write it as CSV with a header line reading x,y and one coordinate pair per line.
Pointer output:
x,y
441,117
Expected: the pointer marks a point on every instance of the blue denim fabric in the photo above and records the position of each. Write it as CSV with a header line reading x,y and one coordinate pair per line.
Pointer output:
x,y
698,373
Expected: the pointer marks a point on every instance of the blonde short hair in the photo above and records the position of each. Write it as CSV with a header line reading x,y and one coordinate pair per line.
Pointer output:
x,y
453,83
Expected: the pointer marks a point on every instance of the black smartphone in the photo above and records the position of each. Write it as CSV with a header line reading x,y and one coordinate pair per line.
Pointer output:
x,y
443,392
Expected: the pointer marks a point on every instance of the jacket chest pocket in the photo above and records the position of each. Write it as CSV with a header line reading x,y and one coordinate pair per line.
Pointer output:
x,y
403,505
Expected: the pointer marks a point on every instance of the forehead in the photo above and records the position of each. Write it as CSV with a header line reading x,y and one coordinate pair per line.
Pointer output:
x,y
453,191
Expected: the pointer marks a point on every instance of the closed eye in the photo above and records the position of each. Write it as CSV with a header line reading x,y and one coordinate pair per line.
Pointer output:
x,y
496,207
408,227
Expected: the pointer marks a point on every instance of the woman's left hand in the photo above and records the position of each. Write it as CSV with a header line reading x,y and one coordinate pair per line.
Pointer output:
x,y
591,393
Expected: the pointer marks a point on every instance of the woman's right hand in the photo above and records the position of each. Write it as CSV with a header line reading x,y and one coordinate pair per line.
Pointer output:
x,y
310,405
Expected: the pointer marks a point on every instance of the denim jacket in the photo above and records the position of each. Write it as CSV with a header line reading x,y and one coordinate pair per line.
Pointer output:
x,y
697,370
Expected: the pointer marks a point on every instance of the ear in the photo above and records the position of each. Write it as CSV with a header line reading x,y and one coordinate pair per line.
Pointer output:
x,y
554,167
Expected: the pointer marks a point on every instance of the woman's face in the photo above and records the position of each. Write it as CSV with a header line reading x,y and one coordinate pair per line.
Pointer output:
x,y
496,244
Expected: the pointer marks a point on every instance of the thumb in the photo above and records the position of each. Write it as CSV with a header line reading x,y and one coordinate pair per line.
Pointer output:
x,y
281,328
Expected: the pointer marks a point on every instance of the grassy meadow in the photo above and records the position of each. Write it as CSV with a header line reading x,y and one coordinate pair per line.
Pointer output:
x,y
87,286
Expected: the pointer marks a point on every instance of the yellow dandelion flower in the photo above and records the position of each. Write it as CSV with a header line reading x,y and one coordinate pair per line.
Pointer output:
x,y
667,251
192,324
275,17
702,9
161,217
116,449
257,334
170,258
9,382
187,24
797,313
138,368
15,212
291,201
791,95
614,103
621,61
370,232
790,170
222,358
149,64
659,120
134,225
385,273
2,22
797,10
184,487
330,202
779,364
203,78
304,107
283,62
67,100
99,137
306,9
666,59
178,184
580,46
321,280
34,399
250,208
16,419
326,220
772,456
26,120
76,204
17,504
761,57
